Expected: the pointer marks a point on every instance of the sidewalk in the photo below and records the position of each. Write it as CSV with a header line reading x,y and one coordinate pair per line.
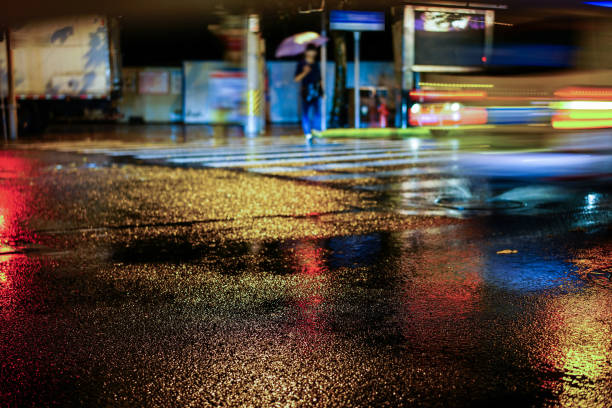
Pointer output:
x,y
150,133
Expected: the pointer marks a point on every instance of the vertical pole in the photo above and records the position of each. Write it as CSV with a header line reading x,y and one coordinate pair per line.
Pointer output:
x,y
324,72
11,100
262,72
488,48
252,113
407,62
398,31
357,36
114,54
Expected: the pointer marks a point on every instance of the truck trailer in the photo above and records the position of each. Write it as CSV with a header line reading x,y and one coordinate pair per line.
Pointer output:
x,y
66,68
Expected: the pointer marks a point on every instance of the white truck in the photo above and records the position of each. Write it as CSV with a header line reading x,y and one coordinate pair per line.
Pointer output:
x,y
63,68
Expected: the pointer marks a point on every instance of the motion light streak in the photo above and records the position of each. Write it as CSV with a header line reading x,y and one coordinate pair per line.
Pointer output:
x,y
453,85
582,114
581,124
580,92
590,115
582,119
451,95
585,105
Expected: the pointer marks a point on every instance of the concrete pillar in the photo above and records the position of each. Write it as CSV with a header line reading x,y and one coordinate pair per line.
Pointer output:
x,y
407,63
254,86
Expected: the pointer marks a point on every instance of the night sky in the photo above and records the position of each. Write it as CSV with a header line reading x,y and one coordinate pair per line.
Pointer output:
x,y
169,43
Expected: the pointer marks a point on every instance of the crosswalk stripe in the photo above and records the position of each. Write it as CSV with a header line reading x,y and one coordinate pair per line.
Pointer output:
x,y
235,151
129,151
417,171
228,149
380,174
378,163
273,169
335,158
157,149
264,156
213,144
414,185
211,153
249,151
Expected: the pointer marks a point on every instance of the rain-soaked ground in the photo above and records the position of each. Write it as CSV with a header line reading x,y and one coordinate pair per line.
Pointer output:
x,y
131,280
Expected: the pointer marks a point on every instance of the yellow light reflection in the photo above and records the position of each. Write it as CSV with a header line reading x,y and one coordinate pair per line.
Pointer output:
x,y
578,348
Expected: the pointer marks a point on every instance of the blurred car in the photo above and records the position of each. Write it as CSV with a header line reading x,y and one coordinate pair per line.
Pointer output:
x,y
446,114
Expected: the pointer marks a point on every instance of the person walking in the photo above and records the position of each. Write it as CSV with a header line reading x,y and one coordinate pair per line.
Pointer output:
x,y
308,74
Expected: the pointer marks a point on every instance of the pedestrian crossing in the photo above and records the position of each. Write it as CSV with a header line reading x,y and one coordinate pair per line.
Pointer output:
x,y
418,168
411,176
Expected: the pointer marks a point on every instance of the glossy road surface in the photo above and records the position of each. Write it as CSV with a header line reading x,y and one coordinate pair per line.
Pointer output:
x,y
221,272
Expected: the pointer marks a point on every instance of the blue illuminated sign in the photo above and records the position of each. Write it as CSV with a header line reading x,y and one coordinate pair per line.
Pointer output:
x,y
599,3
357,20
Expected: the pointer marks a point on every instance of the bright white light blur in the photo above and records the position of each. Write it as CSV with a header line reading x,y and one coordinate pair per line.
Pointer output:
x,y
460,24
456,117
455,106
416,108
591,201
414,143
534,165
595,105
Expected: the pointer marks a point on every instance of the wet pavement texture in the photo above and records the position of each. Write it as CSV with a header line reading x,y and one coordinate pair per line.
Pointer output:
x,y
131,281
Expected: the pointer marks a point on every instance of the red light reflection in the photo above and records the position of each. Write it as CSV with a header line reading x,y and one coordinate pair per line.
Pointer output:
x,y
16,198
17,207
310,297
442,292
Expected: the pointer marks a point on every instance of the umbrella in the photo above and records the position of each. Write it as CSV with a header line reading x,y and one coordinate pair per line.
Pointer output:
x,y
296,44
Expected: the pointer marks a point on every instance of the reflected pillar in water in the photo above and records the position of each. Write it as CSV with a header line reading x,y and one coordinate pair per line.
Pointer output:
x,y
443,287
20,205
7,272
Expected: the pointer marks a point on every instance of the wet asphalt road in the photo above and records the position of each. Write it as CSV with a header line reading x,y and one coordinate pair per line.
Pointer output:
x,y
138,282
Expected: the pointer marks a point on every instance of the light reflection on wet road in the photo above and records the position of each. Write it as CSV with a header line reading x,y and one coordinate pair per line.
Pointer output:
x,y
131,284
